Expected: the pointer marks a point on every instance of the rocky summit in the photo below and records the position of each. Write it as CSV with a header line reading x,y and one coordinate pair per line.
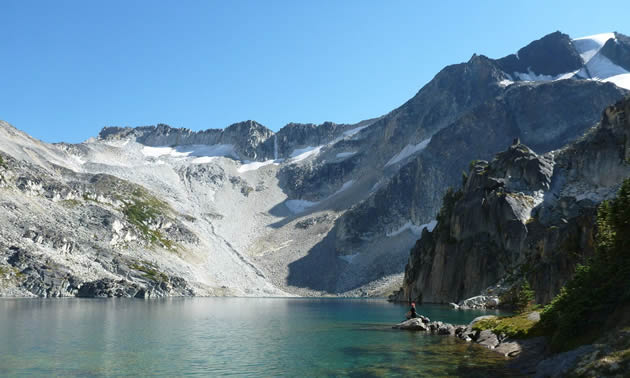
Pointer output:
x,y
333,208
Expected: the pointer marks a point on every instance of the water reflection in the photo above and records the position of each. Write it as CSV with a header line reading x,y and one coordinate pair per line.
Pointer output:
x,y
242,336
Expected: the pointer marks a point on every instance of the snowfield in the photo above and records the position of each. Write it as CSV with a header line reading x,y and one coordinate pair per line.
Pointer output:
x,y
596,65
410,149
252,166
590,45
226,150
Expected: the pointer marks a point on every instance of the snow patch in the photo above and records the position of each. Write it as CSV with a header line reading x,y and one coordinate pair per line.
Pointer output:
x,y
78,159
254,165
622,81
532,76
202,160
349,258
600,67
346,154
196,150
409,150
157,151
354,131
377,185
345,186
416,230
299,206
589,46
505,82
304,153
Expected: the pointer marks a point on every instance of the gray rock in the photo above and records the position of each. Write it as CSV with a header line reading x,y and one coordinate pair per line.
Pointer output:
x,y
446,329
560,364
415,324
424,319
488,339
534,316
509,348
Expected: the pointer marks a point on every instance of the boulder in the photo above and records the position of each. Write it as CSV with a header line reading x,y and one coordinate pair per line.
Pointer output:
x,y
534,316
446,329
509,349
488,339
434,326
480,301
415,324
560,364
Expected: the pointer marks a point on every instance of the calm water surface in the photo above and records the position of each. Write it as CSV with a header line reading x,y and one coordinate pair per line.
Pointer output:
x,y
231,336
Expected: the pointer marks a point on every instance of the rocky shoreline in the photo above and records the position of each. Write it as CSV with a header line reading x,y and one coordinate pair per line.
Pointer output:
x,y
532,356
525,354
498,343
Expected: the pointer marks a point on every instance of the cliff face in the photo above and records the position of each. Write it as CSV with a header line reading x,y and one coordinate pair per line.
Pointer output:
x,y
521,215
545,116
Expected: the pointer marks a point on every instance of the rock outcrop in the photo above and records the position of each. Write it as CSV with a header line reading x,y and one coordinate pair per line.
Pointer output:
x,y
522,215
527,349
535,57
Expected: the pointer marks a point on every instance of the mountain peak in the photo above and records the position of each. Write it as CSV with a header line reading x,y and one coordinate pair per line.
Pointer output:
x,y
551,55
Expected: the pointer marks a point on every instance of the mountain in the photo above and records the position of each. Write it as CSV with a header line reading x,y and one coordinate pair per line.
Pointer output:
x,y
308,210
520,216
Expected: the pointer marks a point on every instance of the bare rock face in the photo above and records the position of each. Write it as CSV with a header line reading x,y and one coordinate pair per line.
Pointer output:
x,y
617,50
521,215
551,55
544,116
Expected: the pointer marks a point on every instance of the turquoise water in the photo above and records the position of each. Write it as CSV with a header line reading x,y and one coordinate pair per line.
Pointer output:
x,y
231,336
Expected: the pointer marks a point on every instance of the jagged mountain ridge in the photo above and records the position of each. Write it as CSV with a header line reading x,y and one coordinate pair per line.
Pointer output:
x,y
555,56
283,206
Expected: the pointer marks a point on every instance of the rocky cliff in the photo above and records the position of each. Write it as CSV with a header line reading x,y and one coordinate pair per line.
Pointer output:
x,y
521,215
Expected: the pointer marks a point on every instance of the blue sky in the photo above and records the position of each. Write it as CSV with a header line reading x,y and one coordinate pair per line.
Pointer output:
x,y
68,68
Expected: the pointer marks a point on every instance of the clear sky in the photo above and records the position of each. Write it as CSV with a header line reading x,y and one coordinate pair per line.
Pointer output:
x,y
68,68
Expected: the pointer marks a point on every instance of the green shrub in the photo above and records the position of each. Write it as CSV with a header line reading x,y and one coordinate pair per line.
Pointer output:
x,y
520,298
150,272
518,326
600,287
70,203
141,211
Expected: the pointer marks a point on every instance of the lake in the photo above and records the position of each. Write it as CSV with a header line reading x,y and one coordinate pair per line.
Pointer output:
x,y
231,336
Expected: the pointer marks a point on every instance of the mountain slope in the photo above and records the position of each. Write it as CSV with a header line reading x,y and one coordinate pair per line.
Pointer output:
x,y
310,209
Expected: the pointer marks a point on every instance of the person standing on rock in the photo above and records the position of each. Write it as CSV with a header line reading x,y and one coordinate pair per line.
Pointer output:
x,y
412,311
